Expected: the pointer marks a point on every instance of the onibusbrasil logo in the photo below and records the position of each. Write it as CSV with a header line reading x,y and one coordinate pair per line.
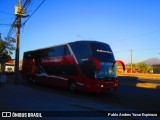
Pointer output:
x,y
21,114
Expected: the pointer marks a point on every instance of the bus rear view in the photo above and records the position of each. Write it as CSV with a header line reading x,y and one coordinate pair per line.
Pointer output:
x,y
88,66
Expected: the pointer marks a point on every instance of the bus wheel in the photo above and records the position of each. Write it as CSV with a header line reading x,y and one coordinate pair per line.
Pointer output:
x,y
72,86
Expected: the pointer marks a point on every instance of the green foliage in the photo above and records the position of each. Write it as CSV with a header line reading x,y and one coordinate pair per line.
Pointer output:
x,y
6,47
2,46
141,67
134,66
144,68
9,44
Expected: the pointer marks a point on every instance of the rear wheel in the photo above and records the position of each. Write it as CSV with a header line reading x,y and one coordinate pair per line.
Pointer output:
x,y
72,86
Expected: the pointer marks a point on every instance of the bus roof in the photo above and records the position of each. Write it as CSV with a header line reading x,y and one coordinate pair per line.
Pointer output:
x,y
89,41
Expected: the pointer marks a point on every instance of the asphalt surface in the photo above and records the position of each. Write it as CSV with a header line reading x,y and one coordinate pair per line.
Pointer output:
x,y
27,97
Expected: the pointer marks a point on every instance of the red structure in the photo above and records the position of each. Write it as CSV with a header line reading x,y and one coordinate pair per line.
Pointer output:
x,y
9,66
10,62
82,65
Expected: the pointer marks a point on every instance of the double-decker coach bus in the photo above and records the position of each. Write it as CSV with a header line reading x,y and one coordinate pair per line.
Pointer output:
x,y
81,65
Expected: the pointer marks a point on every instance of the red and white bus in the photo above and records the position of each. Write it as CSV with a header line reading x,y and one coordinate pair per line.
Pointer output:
x,y
81,65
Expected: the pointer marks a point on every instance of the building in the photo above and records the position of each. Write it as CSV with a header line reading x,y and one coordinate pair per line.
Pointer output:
x,y
9,66
156,68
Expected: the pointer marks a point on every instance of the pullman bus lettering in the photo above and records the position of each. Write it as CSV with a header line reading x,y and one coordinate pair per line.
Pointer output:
x,y
82,65
51,60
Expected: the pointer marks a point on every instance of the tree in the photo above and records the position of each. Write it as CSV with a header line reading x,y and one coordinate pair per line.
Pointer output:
x,y
143,67
134,66
6,48
150,69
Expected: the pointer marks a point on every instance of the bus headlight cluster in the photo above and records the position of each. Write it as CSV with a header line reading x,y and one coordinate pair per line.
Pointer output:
x,y
100,85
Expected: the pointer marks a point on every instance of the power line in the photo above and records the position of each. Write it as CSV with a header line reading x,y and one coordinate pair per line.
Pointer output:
x,y
6,13
17,17
34,12
14,22
5,24
146,49
149,49
5,19
11,28
140,35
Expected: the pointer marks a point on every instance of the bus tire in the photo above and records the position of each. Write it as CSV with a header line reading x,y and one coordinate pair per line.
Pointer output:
x,y
72,86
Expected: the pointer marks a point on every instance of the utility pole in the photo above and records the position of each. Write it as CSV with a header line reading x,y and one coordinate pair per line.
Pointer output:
x,y
18,25
19,12
131,60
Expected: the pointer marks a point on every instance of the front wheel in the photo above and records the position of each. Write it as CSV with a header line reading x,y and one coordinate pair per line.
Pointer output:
x,y
72,86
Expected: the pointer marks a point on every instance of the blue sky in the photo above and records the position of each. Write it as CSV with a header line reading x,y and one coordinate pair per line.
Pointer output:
x,y
123,24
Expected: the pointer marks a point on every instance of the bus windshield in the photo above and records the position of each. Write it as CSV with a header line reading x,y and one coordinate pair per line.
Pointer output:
x,y
106,71
91,49
103,52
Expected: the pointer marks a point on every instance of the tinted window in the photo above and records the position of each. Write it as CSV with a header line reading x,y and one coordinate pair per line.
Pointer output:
x,y
55,51
66,50
42,53
60,69
48,52
29,55
102,51
81,50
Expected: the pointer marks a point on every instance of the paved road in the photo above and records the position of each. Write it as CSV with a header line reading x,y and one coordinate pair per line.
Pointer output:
x,y
26,97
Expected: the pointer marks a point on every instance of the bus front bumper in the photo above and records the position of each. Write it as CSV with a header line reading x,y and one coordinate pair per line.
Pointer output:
x,y
102,87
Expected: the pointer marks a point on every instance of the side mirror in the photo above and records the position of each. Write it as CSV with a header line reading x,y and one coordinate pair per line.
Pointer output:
x,y
122,63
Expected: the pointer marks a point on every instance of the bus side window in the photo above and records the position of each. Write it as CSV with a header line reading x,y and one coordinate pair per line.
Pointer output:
x,y
59,51
66,50
81,50
51,52
41,53
28,55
